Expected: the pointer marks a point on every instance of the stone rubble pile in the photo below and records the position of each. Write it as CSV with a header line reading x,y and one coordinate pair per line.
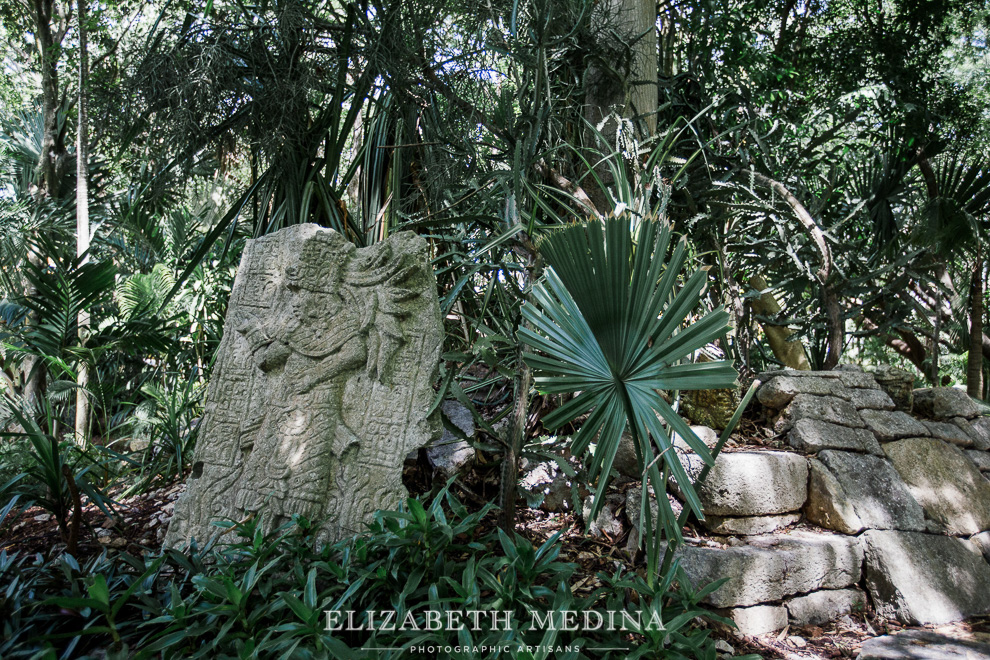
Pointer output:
x,y
896,482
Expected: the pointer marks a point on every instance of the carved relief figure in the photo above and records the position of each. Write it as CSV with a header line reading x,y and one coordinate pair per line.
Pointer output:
x,y
328,341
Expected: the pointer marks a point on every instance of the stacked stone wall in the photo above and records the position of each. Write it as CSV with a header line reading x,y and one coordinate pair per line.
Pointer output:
x,y
882,495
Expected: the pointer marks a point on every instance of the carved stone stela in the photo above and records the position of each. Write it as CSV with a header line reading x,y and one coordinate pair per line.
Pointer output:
x,y
322,384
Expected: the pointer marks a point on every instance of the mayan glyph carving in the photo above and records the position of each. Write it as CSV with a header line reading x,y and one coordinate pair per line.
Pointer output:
x,y
322,386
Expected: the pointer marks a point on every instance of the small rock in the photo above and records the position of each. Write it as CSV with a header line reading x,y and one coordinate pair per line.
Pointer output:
x,y
607,523
797,641
706,434
44,517
723,646
824,408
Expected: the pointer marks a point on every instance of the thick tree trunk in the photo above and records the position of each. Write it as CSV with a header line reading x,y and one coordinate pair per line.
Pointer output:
x,y
83,410
790,353
974,364
633,98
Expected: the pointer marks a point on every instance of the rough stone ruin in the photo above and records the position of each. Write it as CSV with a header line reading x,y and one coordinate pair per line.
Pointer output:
x,y
322,385
882,496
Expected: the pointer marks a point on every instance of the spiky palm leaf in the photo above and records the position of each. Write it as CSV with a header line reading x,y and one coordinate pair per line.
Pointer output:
x,y
608,322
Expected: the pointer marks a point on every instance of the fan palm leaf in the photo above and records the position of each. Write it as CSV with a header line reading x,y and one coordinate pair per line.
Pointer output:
x,y
609,323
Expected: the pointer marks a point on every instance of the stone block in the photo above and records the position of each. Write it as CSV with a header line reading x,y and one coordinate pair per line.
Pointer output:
x,y
982,542
858,379
752,483
925,578
977,429
323,385
948,432
871,399
706,434
945,483
823,606
922,645
898,384
749,526
547,486
608,523
450,455
849,492
780,390
712,408
944,403
757,620
773,567
812,435
888,426
823,408
980,458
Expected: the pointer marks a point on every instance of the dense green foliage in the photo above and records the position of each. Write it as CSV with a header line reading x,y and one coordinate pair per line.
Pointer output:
x,y
267,596
835,155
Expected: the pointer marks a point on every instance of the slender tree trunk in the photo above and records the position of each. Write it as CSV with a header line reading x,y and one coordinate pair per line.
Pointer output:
x,y
974,365
522,383
83,410
49,24
936,331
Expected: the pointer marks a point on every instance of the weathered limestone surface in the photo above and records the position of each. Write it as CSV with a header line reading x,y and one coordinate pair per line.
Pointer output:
x,y
872,399
757,620
750,525
751,483
898,384
450,455
889,426
780,390
706,434
982,542
922,645
712,408
980,458
813,435
821,606
322,384
948,432
773,567
944,403
547,486
849,492
823,408
945,483
977,429
924,578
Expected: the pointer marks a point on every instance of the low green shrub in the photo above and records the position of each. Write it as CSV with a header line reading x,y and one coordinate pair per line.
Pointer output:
x,y
387,594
